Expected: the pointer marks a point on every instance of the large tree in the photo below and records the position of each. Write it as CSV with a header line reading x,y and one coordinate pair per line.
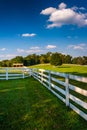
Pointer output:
x,y
68,59
17,59
79,60
56,59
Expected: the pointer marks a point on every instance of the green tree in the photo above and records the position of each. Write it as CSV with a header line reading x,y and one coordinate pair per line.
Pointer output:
x,y
85,60
48,57
4,63
31,60
74,60
0,64
68,59
17,59
56,59
80,61
42,59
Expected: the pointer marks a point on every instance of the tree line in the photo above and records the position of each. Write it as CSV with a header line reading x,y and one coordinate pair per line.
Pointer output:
x,y
52,58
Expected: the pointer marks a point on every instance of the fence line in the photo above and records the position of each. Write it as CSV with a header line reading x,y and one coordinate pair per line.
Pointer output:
x,y
59,84
14,73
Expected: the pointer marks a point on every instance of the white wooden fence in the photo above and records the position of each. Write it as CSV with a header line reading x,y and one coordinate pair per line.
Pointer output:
x,y
60,85
14,73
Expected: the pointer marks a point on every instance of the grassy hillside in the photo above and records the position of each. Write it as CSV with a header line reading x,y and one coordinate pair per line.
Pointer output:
x,y
26,105
66,68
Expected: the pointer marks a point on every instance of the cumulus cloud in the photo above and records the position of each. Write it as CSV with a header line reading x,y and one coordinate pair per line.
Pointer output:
x,y
77,8
20,50
7,56
50,46
31,50
82,46
1,56
28,35
82,8
48,11
3,49
74,37
35,48
62,6
65,16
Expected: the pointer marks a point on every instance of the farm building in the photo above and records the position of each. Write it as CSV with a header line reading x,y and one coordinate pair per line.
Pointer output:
x,y
18,65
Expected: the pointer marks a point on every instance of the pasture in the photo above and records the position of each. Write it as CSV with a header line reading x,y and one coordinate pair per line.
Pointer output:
x,y
25,104
13,73
65,68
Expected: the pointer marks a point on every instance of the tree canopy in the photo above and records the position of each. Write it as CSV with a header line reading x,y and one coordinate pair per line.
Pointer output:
x,y
56,59
53,58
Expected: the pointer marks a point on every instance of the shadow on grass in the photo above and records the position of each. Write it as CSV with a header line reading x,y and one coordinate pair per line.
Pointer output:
x,y
30,106
78,74
63,67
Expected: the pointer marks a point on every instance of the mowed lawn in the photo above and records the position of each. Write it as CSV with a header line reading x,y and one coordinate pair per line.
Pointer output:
x,y
27,105
65,68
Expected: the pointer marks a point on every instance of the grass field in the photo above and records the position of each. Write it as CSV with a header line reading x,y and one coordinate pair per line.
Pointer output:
x,y
26,105
11,70
14,71
66,68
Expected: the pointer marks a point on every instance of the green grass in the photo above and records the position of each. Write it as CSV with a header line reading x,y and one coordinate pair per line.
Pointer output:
x,y
11,71
70,69
27,105
65,68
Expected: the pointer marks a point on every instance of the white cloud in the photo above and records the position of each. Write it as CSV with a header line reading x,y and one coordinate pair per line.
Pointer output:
x,y
74,8
20,50
82,8
2,56
50,46
62,6
3,49
31,50
65,16
81,46
7,56
35,48
77,8
74,37
28,35
48,11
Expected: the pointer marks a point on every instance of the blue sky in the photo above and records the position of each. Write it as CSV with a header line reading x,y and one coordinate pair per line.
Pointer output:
x,y
40,26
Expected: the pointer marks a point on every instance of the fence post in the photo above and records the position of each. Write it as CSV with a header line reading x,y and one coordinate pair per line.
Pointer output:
x,y
42,77
23,73
49,79
67,89
37,75
30,72
6,73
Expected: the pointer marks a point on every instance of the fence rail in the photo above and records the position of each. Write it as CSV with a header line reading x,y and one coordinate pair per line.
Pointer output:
x,y
14,73
60,85
73,95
